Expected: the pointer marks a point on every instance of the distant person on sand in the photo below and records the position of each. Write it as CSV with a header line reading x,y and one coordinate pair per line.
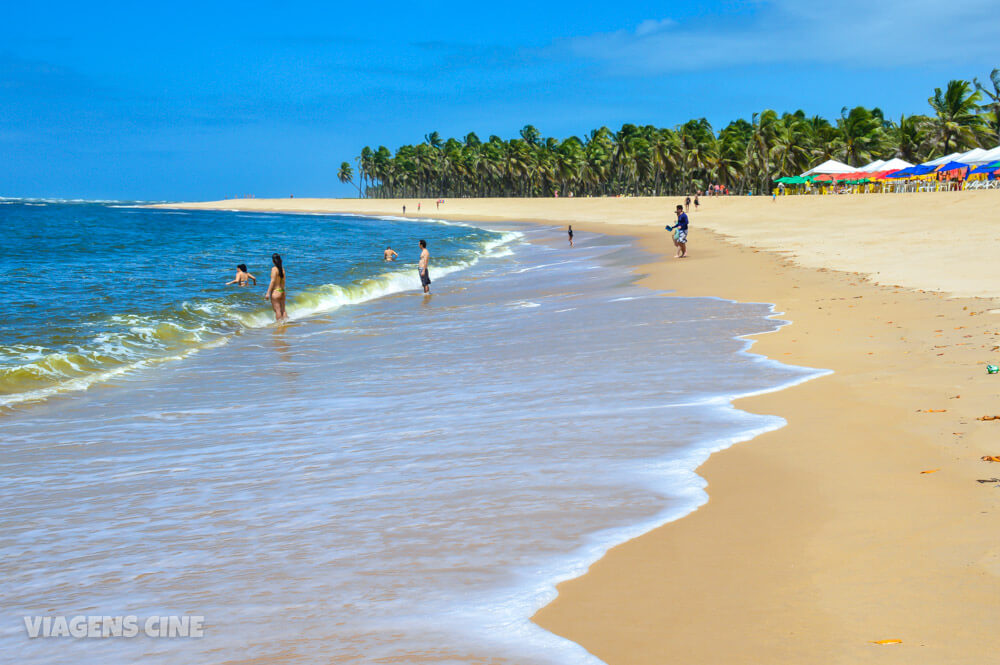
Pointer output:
x,y
425,259
680,230
389,254
242,275
570,235
696,204
276,290
418,206
404,210
687,204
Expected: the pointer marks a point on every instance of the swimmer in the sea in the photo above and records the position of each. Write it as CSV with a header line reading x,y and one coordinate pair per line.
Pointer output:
x,y
242,276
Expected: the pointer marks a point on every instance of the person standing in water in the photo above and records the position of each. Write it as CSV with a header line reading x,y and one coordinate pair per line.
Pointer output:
x,y
680,230
276,290
425,259
242,275
570,235
389,254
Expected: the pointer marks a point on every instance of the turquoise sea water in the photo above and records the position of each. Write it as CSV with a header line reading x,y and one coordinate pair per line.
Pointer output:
x,y
98,289
388,478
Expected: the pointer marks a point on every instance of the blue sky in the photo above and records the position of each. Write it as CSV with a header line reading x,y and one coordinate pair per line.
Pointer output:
x,y
206,100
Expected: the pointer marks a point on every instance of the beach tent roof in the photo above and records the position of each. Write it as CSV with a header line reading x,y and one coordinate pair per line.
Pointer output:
x,y
971,157
874,166
902,173
942,160
793,180
989,156
831,166
895,164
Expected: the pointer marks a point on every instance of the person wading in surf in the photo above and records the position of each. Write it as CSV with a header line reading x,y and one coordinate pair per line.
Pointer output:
x,y
276,290
425,259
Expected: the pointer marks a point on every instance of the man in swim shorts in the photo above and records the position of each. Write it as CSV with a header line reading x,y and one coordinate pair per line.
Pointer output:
x,y
425,259
680,230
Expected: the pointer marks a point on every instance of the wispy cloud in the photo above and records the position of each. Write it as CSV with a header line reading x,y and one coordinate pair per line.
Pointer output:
x,y
889,33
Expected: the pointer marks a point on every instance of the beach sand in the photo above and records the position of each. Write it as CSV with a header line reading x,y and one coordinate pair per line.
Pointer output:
x,y
824,536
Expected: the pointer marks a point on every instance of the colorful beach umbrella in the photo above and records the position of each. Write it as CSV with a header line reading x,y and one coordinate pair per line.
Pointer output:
x,y
986,168
951,166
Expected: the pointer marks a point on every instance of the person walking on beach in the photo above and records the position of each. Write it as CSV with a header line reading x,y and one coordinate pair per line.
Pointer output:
x,y
242,275
425,259
696,204
389,254
680,230
687,204
570,235
276,290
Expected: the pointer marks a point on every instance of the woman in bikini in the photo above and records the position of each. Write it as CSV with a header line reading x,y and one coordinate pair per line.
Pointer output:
x,y
276,290
242,276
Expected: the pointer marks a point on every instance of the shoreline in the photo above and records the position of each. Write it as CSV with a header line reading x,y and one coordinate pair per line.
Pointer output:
x,y
823,535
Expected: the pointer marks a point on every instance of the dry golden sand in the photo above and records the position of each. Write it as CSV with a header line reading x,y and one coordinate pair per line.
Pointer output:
x,y
823,536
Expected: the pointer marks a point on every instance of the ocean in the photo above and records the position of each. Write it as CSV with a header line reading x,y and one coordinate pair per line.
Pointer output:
x,y
389,477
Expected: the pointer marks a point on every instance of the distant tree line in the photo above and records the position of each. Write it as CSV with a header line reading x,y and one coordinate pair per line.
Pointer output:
x,y
747,155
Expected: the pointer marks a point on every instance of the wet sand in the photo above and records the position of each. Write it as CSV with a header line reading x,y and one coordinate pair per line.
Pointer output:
x,y
823,536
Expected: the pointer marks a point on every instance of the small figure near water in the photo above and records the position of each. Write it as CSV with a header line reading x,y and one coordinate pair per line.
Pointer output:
x,y
687,204
680,230
570,235
696,204
425,259
242,276
276,290
404,210
389,254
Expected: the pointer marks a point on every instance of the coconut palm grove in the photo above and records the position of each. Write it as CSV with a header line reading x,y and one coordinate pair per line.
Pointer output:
x,y
745,156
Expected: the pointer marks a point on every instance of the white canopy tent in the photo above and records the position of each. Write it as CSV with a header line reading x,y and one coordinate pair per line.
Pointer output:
x,y
874,166
831,166
971,157
942,160
895,164
990,156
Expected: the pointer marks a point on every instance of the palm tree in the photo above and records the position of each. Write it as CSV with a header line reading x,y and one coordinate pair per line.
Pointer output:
x,y
861,135
346,174
992,107
646,160
910,138
956,122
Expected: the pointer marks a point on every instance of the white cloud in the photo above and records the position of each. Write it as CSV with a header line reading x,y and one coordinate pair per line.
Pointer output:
x,y
651,26
888,33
